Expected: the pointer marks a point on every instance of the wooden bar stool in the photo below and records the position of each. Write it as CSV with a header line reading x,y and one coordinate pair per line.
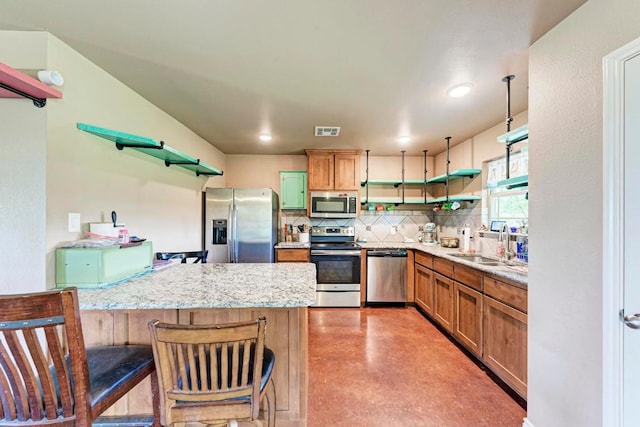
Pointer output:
x,y
214,374
48,377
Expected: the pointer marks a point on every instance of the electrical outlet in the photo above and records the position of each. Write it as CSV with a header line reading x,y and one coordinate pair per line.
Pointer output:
x,y
73,223
394,229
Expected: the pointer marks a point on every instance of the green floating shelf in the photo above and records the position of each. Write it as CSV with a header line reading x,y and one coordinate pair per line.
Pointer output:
x,y
157,149
516,135
457,174
461,198
420,200
395,200
518,181
394,182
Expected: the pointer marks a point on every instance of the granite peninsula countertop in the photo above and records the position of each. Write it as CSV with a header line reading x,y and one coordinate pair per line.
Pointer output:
x,y
209,286
509,272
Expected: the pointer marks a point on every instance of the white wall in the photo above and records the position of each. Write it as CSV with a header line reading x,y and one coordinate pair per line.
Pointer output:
x,y
22,197
23,154
263,171
565,212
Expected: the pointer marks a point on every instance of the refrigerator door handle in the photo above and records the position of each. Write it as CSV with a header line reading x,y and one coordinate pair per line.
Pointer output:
x,y
230,235
234,222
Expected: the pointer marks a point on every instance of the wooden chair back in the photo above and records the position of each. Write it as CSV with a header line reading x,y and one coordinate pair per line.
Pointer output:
x,y
197,256
44,377
209,373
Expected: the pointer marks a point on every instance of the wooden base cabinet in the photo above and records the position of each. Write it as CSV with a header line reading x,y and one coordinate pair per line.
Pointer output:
x,y
292,255
443,301
485,313
505,343
467,325
423,280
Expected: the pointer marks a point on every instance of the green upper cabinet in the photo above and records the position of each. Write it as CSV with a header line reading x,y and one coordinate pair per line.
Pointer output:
x,y
293,189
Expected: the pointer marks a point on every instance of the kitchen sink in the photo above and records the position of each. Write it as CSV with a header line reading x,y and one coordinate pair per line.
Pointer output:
x,y
477,258
512,266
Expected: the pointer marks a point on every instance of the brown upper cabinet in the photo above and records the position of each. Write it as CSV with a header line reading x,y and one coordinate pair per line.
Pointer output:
x,y
333,169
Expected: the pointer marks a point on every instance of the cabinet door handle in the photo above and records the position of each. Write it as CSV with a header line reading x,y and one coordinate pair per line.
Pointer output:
x,y
632,321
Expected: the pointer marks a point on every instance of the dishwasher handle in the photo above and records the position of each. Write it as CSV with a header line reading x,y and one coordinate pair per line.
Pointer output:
x,y
387,253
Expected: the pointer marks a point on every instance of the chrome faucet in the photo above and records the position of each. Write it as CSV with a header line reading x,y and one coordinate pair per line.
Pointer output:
x,y
508,253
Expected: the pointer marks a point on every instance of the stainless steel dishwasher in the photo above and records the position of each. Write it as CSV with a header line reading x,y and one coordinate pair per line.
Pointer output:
x,y
386,276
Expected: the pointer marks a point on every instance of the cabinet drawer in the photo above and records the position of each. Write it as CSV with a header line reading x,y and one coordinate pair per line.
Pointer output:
x,y
468,276
506,293
443,266
292,255
424,259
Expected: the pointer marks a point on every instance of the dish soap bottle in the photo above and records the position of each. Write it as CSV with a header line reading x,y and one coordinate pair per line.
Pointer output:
x,y
123,236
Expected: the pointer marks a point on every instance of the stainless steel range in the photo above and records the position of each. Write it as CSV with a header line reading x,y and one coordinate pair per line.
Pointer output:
x,y
337,259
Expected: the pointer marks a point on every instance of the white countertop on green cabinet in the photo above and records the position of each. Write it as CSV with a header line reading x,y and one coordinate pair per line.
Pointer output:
x,y
209,286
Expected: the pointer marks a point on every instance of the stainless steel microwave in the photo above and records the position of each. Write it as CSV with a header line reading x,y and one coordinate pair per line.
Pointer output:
x,y
334,204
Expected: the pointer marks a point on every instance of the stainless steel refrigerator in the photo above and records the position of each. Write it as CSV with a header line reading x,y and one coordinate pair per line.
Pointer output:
x,y
240,225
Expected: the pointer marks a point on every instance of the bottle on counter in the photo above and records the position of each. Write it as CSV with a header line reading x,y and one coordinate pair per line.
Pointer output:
x,y
123,236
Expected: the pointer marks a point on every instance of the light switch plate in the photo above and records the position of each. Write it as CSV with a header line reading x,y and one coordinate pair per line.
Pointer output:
x,y
74,223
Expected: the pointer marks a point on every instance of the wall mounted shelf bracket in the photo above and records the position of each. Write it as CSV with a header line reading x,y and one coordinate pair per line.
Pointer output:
x,y
38,102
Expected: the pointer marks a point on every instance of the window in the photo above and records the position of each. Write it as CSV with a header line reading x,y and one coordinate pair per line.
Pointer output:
x,y
507,205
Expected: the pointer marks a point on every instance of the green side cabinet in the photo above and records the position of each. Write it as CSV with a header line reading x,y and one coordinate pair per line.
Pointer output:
x,y
293,189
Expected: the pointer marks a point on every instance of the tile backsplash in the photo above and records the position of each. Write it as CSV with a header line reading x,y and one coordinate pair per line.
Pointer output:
x,y
396,225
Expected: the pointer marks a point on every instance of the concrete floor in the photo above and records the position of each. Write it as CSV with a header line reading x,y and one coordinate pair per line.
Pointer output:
x,y
391,367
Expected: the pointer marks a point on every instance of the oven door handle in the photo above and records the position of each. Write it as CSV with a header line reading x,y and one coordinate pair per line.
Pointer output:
x,y
334,253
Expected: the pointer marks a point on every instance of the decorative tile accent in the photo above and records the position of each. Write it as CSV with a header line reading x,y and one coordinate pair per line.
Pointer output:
x,y
408,228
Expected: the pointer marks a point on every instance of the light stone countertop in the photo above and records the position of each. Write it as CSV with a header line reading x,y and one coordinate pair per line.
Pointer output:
x,y
292,245
500,271
209,286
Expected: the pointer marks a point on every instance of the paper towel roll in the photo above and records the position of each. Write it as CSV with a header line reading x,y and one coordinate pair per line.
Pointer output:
x,y
105,228
466,241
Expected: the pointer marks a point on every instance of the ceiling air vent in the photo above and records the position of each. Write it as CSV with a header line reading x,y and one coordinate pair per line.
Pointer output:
x,y
327,131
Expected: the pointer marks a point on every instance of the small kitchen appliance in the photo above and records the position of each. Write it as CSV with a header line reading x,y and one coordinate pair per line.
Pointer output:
x,y
334,204
429,238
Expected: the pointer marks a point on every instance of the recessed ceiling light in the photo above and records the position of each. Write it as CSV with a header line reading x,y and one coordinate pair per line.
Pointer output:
x,y
265,137
404,139
460,90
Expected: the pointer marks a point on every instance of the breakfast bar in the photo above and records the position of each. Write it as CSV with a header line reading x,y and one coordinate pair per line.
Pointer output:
x,y
207,294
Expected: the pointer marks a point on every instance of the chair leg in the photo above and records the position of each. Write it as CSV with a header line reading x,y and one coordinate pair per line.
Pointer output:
x,y
155,399
270,409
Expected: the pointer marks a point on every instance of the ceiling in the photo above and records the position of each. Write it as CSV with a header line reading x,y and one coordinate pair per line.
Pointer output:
x,y
233,69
